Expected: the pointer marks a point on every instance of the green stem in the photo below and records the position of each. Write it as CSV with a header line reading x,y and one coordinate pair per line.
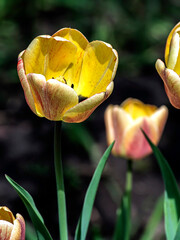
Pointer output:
x,y
60,182
123,224
128,191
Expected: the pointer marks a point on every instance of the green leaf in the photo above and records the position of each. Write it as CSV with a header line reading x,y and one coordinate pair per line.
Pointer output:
x,y
177,236
154,220
38,222
83,223
172,194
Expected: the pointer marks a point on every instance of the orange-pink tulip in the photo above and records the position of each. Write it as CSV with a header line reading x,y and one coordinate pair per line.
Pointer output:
x,y
65,77
170,71
11,228
124,124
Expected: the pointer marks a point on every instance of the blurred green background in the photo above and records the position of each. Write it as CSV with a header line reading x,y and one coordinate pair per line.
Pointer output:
x,y
138,31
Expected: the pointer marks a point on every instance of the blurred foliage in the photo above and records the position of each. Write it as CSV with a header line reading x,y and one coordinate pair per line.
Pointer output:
x,y
137,29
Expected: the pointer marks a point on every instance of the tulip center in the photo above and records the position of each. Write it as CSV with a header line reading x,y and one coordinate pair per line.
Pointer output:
x,y
63,80
137,109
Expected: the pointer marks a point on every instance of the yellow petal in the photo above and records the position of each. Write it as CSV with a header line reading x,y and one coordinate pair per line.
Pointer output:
x,y
84,109
61,54
137,108
79,40
52,98
98,68
6,214
173,51
48,56
34,56
168,42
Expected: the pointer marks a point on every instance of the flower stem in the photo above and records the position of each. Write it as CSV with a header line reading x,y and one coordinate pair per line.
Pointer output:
x,y
128,191
60,182
123,224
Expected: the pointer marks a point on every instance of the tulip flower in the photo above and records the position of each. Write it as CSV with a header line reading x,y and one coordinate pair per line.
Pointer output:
x,y
124,124
11,228
64,77
170,71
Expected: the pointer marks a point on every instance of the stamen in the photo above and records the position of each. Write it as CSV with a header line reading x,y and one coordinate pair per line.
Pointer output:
x,y
72,85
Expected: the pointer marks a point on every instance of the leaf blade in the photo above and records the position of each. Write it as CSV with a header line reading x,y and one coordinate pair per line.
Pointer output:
x,y
38,222
172,194
83,223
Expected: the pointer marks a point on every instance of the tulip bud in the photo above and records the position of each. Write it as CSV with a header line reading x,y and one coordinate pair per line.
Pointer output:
x,y
171,71
124,124
11,228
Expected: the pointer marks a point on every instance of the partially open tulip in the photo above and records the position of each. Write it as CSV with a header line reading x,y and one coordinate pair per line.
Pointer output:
x,y
65,77
170,71
11,228
124,124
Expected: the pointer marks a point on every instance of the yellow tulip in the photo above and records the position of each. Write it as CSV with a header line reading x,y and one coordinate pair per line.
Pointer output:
x,y
170,71
124,123
11,228
64,77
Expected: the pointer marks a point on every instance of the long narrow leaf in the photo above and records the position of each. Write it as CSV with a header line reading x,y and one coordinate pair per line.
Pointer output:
x,y
172,194
82,227
38,222
154,220
177,236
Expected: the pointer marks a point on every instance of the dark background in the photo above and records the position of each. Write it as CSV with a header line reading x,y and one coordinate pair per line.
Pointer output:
x,y
138,31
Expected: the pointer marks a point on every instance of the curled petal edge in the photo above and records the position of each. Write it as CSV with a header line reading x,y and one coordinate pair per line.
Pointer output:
x,y
171,82
84,109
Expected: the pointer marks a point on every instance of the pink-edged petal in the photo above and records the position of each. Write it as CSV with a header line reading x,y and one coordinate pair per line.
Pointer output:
x,y
16,231
52,98
25,84
23,227
5,230
159,119
116,120
109,124
135,144
37,84
98,68
171,82
84,109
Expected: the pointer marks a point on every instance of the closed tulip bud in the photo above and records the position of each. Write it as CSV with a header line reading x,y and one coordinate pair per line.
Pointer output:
x,y
170,71
11,228
65,77
124,123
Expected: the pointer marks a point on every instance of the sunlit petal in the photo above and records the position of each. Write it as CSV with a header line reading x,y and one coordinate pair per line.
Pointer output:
x,y
98,67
